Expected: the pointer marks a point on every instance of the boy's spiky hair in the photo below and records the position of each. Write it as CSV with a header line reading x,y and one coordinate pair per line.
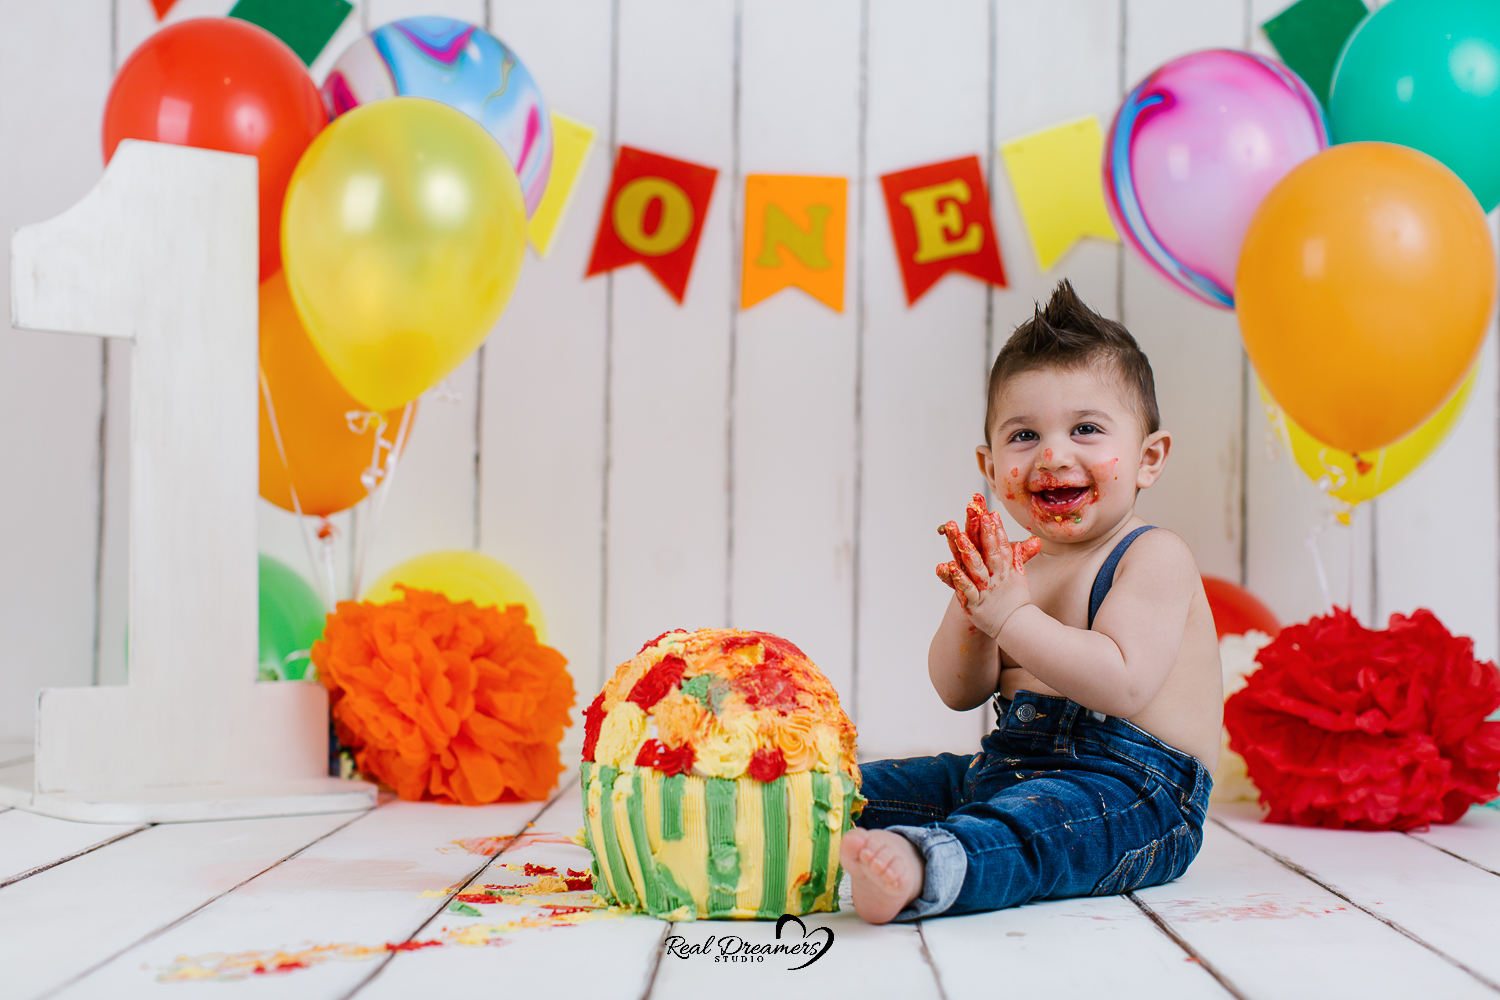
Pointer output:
x,y
1068,334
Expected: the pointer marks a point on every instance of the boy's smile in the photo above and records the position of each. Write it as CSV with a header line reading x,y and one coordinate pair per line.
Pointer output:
x,y
1066,454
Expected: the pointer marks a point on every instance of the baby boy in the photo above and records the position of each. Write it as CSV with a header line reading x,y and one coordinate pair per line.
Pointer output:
x,y
1093,636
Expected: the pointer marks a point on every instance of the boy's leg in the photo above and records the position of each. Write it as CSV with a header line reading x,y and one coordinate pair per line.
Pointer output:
x,y
914,790
1065,833
910,793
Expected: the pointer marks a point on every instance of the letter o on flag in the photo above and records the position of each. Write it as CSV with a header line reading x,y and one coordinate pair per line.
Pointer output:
x,y
631,205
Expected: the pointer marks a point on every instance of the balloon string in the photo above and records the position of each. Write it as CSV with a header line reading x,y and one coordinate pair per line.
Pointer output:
x,y
378,487
328,596
1317,558
326,534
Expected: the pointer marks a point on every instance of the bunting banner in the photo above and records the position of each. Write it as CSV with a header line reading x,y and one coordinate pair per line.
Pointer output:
x,y
305,25
653,216
163,7
1056,177
794,237
571,142
940,221
1310,34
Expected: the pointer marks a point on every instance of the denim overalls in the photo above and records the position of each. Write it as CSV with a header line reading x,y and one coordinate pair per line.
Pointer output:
x,y
1060,801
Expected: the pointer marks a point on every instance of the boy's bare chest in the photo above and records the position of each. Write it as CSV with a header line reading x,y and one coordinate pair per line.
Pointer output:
x,y
1061,588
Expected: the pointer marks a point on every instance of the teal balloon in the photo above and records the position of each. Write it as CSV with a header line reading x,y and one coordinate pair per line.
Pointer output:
x,y
1426,74
291,620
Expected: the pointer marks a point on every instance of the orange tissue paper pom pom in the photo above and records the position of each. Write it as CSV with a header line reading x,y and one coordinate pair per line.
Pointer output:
x,y
444,701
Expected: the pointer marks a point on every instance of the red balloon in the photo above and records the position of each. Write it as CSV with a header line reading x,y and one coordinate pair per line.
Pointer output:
x,y
221,83
1236,610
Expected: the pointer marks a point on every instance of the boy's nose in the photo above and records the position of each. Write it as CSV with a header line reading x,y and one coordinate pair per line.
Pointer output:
x,y
1053,458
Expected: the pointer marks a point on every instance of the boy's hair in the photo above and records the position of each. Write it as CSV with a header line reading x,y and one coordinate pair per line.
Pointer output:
x,y
1069,335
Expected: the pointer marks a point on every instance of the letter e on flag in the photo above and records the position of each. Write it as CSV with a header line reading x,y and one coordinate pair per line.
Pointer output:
x,y
794,235
940,222
653,216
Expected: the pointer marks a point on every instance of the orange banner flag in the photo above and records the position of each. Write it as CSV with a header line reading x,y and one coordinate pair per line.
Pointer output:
x,y
940,222
653,216
794,236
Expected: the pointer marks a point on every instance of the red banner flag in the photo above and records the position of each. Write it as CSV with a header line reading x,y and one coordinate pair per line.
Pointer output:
x,y
653,216
940,220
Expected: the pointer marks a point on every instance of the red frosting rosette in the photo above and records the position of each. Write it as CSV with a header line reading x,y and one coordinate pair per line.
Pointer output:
x,y
1344,726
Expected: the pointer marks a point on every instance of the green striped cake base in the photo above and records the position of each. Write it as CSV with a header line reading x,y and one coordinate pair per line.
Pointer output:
x,y
681,847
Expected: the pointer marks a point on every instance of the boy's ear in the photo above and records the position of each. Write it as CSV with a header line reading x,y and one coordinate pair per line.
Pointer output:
x,y
986,460
1154,452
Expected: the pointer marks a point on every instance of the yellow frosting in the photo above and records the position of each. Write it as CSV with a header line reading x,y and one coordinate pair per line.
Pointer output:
x,y
621,736
799,823
749,834
724,751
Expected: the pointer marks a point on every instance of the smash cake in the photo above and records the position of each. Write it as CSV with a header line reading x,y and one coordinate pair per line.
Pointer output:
x,y
718,777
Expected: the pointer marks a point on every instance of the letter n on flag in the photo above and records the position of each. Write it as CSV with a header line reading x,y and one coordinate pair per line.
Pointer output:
x,y
794,235
653,216
940,220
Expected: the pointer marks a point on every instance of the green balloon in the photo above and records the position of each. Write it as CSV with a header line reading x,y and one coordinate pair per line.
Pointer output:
x,y
291,620
1426,74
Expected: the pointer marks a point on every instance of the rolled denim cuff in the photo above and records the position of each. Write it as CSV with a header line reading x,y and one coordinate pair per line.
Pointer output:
x,y
947,864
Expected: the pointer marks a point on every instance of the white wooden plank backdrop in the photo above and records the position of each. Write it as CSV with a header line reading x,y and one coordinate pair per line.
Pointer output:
x,y
823,446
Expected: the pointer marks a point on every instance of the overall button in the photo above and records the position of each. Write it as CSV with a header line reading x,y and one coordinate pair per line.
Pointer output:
x,y
1026,713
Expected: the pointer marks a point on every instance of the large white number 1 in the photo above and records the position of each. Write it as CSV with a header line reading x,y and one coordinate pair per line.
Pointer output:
x,y
163,251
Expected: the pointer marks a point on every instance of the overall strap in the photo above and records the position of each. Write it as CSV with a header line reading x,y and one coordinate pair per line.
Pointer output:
x,y
1106,577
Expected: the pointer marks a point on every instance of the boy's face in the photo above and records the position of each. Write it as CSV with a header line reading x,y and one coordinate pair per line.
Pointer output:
x,y
1067,453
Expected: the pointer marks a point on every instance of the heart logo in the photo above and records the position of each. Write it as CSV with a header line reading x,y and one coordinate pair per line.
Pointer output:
x,y
787,918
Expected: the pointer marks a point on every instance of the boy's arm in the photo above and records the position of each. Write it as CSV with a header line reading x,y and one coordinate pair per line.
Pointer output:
x,y
963,662
1119,666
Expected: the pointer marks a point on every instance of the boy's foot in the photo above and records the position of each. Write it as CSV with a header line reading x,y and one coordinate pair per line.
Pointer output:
x,y
886,871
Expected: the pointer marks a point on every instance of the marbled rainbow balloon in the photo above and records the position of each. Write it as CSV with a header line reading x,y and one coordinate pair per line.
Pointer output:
x,y
719,778
463,66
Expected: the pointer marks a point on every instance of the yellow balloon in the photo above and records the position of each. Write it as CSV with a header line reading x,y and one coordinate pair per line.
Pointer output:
x,y
1354,478
402,235
461,576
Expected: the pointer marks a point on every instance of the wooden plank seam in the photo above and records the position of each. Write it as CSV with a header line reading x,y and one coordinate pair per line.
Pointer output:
x,y
1192,952
1435,847
90,970
937,975
468,881
1292,866
69,857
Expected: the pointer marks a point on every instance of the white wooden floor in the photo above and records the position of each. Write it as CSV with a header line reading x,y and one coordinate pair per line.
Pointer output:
x,y
306,907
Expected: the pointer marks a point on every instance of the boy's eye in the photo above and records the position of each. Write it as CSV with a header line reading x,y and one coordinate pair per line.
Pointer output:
x,y
1024,436
1086,429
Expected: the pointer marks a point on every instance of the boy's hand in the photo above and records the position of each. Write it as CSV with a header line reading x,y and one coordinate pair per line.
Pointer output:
x,y
988,572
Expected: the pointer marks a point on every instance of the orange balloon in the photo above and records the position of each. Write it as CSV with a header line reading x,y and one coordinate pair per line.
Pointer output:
x,y
327,449
1366,283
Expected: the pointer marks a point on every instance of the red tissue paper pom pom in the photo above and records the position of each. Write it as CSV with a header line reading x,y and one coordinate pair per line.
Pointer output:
x,y
1342,726
443,701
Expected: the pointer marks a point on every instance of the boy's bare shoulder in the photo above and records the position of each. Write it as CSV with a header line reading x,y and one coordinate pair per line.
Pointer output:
x,y
1160,556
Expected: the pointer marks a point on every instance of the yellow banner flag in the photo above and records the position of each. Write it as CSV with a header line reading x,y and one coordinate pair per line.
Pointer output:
x,y
571,141
1055,175
794,235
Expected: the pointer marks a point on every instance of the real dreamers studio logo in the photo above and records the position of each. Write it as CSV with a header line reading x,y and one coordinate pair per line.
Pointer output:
x,y
732,948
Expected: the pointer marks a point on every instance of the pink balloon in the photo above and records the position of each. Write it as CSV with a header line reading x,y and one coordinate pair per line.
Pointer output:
x,y
1194,149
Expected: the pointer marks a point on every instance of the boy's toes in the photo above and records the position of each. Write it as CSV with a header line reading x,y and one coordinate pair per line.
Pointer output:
x,y
885,872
